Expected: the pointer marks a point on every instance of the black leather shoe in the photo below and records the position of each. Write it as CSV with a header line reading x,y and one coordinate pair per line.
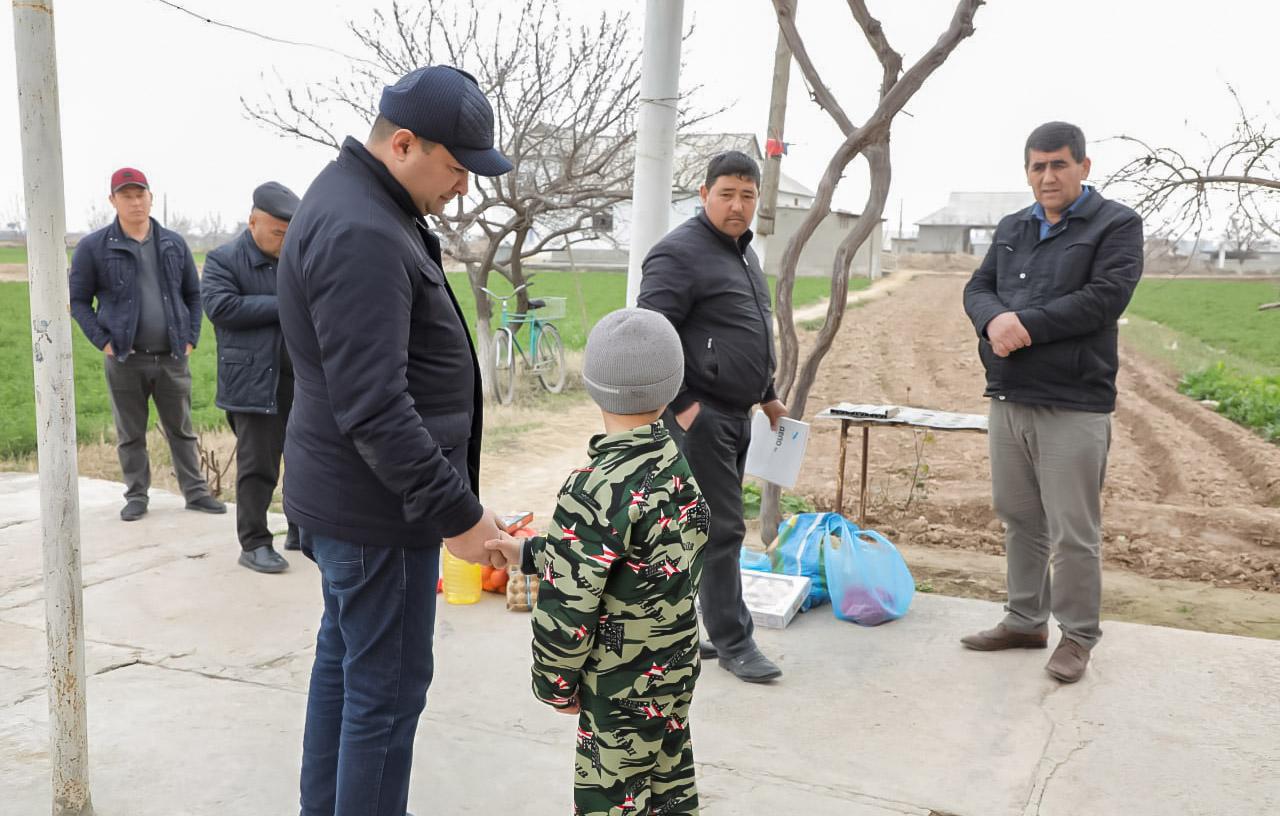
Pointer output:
x,y
207,504
751,667
263,559
133,510
292,541
707,650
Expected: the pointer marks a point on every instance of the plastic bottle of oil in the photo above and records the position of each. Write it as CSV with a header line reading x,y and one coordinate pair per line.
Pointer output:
x,y
461,579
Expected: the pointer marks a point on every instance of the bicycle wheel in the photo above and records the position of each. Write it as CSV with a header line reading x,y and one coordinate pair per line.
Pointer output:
x,y
504,366
549,359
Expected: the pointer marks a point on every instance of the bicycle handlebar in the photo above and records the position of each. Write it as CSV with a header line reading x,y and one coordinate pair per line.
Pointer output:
x,y
505,298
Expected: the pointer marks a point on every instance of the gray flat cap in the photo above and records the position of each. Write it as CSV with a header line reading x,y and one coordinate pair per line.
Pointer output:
x,y
634,363
275,199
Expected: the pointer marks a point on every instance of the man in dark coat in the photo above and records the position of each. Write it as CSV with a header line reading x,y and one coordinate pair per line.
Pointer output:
x,y
146,321
382,456
255,376
1044,303
707,280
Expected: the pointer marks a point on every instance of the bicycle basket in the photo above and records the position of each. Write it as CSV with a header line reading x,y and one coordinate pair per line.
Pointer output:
x,y
554,308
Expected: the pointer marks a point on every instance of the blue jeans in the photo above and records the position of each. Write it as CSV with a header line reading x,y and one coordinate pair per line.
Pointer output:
x,y
369,681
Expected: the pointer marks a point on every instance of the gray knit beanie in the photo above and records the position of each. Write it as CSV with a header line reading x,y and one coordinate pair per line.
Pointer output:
x,y
634,363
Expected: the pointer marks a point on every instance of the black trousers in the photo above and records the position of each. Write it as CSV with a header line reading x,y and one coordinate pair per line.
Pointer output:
x,y
259,446
716,447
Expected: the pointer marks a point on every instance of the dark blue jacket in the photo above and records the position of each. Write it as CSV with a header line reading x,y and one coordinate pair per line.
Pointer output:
x,y
383,446
105,267
1068,289
239,294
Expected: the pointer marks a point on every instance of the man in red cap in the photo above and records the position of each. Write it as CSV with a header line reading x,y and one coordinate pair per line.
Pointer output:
x,y
136,296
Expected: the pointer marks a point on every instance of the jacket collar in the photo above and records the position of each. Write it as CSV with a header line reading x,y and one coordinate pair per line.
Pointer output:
x,y
1085,209
739,246
654,435
256,256
115,233
354,153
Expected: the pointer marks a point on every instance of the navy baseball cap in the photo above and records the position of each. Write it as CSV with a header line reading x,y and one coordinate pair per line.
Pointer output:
x,y
445,105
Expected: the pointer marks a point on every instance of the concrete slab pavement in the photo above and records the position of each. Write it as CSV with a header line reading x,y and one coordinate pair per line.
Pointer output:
x,y
200,667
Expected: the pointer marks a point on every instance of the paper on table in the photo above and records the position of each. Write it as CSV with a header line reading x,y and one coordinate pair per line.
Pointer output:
x,y
776,456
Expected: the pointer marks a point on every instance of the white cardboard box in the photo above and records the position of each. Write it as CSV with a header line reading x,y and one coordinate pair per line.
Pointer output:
x,y
772,599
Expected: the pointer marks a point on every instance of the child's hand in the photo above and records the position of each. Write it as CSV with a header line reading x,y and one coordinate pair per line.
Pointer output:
x,y
572,708
508,548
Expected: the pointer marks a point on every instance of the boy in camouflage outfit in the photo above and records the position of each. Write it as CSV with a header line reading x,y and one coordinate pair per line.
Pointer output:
x,y
615,636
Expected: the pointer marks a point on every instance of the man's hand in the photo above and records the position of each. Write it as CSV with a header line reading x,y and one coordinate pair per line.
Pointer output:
x,y
511,548
1007,334
775,410
190,348
686,417
469,546
107,349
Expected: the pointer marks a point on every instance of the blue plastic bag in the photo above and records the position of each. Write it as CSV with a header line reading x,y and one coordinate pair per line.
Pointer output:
x,y
755,560
799,551
868,580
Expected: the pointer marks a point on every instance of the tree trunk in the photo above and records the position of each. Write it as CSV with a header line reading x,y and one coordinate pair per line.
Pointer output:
x,y
877,155
478,276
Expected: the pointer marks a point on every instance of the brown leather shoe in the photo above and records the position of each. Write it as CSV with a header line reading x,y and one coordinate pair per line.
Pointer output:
x,y
1068,662
994,640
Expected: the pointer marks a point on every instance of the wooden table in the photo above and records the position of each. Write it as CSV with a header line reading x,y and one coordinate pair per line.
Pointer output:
x,y
906,417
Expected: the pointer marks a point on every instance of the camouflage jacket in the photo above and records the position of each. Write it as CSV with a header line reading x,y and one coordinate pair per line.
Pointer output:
x,y
619,572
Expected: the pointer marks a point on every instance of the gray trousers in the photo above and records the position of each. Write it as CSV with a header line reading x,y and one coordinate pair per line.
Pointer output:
x,y
1047,469
166,380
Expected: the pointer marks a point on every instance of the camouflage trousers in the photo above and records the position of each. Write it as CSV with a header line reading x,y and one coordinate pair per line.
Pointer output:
x,y
634,758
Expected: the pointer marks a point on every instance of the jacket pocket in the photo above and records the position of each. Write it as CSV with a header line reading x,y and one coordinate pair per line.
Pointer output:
x,y
235,356
437,316
448,430
711,361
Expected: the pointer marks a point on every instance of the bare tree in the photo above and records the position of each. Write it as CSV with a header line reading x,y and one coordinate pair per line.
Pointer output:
x,y
870,140
564,100
98,215
1182,197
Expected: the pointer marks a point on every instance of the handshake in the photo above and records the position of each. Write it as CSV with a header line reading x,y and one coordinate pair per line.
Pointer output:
x,y
489,541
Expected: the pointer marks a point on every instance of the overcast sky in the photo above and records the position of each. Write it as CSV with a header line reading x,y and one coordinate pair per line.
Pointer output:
x,y
144,85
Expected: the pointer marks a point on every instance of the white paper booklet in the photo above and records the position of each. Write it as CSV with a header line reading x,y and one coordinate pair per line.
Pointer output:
x,y
776,456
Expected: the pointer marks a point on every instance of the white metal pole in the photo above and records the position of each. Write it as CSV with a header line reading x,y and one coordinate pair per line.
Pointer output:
x,y
655,133
55,402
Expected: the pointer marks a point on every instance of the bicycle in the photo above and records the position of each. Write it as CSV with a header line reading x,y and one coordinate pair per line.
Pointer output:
x,y
545,357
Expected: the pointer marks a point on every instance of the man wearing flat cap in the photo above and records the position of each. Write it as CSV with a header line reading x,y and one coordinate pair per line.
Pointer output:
x,y
255,376
383,452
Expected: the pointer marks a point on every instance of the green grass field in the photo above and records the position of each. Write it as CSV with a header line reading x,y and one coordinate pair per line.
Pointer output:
x,y
591,295
13,255
1222,314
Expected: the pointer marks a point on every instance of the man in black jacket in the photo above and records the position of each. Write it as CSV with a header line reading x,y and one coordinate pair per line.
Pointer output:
x,y
383,451
147,323
255,376
705,278
1045,302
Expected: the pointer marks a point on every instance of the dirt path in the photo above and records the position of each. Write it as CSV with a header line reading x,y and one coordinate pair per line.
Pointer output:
x,y
1189,494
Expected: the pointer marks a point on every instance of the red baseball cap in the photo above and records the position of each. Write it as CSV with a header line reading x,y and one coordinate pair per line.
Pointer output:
x,y
126,176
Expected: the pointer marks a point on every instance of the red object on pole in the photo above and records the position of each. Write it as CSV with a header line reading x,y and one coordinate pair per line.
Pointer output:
x,y
773,148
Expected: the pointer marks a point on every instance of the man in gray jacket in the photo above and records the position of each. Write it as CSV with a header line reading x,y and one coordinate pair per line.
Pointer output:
x,y
705,278
255,376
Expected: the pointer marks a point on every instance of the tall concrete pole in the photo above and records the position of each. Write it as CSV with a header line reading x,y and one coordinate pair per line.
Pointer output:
x,y
55,402
655,133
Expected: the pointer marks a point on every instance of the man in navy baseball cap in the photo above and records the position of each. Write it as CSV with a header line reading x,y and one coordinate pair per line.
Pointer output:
x,y
383,442
445,105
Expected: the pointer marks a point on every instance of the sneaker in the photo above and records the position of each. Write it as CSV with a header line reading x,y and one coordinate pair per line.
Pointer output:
x,y
263,559
207,504
133,510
